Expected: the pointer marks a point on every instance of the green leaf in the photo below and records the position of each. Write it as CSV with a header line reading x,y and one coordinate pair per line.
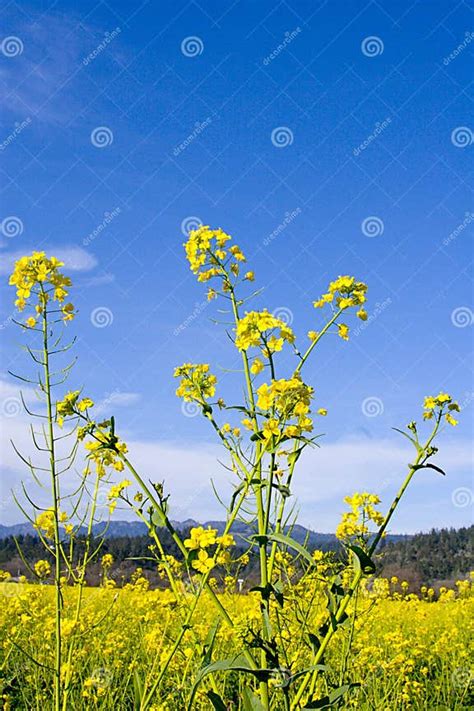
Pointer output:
x,y
322,703
251,702
137,689
405,434
429,466
314,641
209,643
158,518
283,489
294,456
293,677
291,543
216,701
268,589
238,663
330,700
362,560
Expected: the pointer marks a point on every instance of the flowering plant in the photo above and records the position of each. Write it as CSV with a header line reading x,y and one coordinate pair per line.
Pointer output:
x,y
264,437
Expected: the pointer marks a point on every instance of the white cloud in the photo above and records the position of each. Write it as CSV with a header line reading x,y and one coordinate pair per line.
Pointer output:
x,y
76,259
323,478
115,399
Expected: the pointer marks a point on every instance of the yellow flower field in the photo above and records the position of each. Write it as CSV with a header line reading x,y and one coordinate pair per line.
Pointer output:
x,y
410,652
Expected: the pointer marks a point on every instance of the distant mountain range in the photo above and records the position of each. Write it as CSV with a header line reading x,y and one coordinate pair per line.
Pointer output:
x,y
133,529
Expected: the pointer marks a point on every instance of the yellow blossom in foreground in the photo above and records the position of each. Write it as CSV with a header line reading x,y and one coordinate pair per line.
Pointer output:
x,y
197,383
45,522
355,522
39,277
204,562
200,537
438,405
257,366
345,292
343,331
257,329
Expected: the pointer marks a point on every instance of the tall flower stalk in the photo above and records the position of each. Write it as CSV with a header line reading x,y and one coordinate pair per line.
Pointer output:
x,y
41,290
264,437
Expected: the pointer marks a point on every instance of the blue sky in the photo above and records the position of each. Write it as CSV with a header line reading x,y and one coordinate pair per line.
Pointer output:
x,y
328,138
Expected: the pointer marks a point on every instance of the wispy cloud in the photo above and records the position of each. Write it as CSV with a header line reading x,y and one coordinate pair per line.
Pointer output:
x,y
76,258
54,47
116,399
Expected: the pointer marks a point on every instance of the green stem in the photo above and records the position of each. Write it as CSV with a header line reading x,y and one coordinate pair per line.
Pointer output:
x,y
55,497
316,659
261,517
80,595
310,348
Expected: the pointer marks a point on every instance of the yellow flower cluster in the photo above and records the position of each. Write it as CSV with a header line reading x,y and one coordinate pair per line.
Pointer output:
x,y
287,399
42,272
344,292
262,329
116,491
197,383
71,405
104,455
209,256
355,522
201,538
432,404
45,523
107,560
42,569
